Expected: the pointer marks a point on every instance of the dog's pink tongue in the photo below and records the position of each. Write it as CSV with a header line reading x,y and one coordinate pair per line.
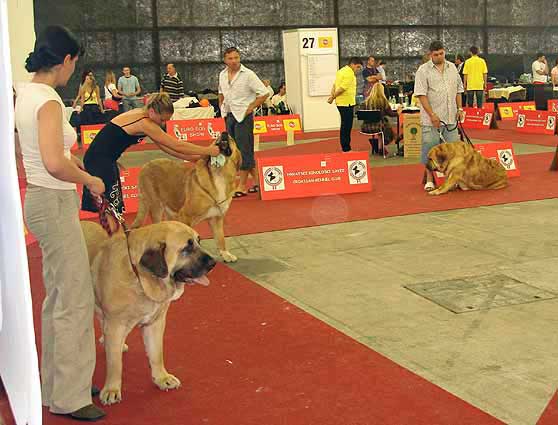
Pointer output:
x,y
203,280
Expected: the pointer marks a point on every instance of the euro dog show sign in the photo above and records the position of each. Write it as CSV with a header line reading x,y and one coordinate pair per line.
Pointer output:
x,y
196,130
299,176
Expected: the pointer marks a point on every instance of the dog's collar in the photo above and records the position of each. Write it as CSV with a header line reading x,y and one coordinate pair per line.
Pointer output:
x,y
218,161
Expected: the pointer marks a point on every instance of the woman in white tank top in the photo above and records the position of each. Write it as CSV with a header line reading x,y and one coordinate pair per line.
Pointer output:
x,y
52,215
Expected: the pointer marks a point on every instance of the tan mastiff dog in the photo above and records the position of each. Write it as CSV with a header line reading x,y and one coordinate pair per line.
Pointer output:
x,y
135,288
465,168
169,189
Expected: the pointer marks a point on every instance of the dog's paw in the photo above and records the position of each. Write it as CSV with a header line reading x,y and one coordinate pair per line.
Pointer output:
x,y
228,257
167,382
110,396
434,192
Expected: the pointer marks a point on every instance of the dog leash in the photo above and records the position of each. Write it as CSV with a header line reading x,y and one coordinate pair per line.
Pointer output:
x,y
459,126
105,209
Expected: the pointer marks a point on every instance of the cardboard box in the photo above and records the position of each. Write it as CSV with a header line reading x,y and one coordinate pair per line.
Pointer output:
x,y
412,135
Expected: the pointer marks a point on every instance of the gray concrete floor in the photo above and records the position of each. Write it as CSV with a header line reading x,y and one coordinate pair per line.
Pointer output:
x,y
352,276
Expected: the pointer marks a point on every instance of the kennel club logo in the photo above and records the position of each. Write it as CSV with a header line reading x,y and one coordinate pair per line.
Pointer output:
x,y
358,173
506,158
274,178
551,122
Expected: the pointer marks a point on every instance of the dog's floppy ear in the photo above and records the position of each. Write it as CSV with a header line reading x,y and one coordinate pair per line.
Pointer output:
x,y
153,259
441,157
152,283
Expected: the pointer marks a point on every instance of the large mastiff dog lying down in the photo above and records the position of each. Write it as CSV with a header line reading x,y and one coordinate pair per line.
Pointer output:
x,y
170,190
135,282
465,168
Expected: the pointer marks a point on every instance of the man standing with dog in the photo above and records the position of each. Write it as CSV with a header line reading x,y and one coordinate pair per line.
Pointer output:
x,y
240,92
438,87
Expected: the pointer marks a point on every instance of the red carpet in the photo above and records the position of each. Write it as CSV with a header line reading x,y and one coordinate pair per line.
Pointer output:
x,y
396,190
507,133
550,415
246,356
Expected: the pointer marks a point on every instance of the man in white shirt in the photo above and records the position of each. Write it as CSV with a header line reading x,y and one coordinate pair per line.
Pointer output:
x,y
240,92
540,70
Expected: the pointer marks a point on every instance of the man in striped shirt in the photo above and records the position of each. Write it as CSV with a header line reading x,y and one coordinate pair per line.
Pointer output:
x,y
172,84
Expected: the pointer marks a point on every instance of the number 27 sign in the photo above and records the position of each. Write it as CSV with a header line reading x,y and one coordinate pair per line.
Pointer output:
x,y
318,42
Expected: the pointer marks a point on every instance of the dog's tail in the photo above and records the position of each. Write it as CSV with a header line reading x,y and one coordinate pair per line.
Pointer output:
x,y
554,165
142,213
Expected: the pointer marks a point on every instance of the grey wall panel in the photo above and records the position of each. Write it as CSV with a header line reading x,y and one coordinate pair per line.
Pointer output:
x,y
212,13
193,33
116,13
459,40
549,40
309,12
189,46
459,12
146,75
411,42
61,12
363,42
414,12
268,71
174,13
134,47
357,12
99,47
254,44
516,12
401,69
201,76
258,12
513,41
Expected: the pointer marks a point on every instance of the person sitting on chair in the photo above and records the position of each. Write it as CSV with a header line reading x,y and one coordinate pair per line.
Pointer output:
x,y
378,101
279,104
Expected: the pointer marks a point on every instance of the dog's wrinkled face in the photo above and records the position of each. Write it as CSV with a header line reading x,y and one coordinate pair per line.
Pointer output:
x,y
174,253
437,158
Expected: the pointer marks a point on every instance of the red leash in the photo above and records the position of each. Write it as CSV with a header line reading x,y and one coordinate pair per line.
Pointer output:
x,y
106,209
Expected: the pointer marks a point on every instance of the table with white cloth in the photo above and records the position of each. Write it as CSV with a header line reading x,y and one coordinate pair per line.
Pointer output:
x,y
193,113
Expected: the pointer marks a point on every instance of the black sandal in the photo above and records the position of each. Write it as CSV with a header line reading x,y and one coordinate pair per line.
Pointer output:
x,y
239,194
254,189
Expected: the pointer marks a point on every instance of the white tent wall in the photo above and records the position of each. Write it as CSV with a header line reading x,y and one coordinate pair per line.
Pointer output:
x,y
21,27
18,353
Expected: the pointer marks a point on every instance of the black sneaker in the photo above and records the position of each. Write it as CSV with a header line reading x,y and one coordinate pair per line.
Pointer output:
x,y
88,413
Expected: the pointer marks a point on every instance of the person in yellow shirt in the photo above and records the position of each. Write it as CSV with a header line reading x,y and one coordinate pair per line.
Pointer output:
x,y
344,94
475,74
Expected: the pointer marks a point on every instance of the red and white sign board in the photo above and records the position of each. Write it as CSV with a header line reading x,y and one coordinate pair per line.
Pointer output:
x,y
501,152
477,118
88,133
276,125
488,106
537,122
196,130
129,181
299,176
508,111
552,105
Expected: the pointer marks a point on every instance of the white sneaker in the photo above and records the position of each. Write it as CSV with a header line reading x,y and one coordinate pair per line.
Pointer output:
x,y
429,186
